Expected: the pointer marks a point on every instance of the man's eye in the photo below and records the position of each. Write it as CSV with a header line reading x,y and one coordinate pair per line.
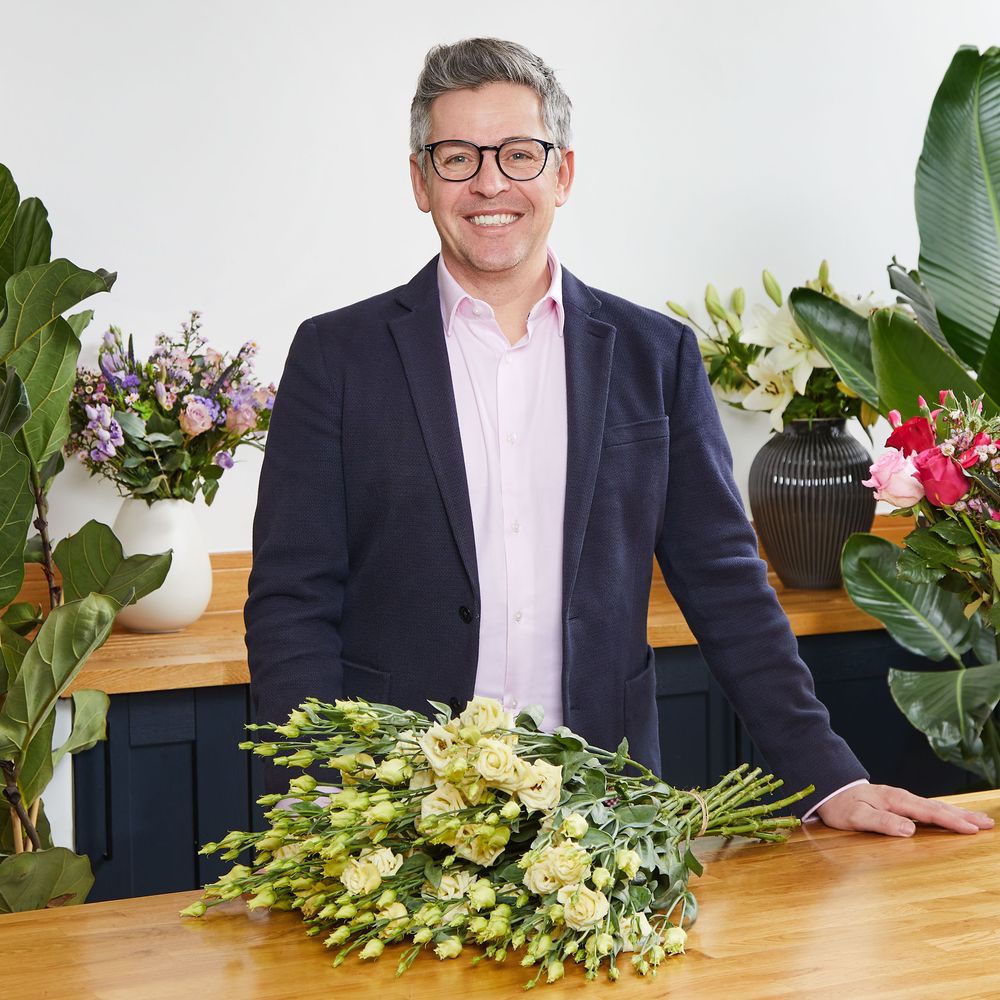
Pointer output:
x,y
456,160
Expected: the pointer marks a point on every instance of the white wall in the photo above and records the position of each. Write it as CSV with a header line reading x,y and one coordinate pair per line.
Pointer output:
x,y
200,149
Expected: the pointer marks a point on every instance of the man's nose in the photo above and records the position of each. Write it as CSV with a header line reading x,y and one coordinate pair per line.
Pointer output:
x,y
490,180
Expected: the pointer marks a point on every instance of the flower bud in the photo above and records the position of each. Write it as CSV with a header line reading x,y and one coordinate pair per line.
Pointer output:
x,y
339,936
556,913
373,949
605,944
470,734
714,304
301,758
302,785
613,975
482,895
628,862
450,947
264,897
678,310
381,812
194,910
772,288
265,750
554,970
511,809
388,897
478,924
739,301
423,935
574,825
824,273
601,877
393,771
673,940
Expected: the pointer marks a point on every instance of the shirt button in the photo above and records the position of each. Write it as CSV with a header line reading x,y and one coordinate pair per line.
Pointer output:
x,y
515,527
511,438
476,311
508,358
518,616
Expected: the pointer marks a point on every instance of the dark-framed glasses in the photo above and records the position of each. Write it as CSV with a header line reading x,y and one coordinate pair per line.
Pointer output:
x,y
518,159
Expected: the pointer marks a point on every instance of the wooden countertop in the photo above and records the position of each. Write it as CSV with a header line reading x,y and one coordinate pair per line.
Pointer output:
x,y
211,652
827,915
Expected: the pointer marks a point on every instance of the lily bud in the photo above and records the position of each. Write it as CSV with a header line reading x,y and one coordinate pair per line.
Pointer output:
x,y
678,310
739,301
824,273
772,287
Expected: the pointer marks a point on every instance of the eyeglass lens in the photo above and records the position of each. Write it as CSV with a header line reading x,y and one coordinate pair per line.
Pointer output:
x,y
519,159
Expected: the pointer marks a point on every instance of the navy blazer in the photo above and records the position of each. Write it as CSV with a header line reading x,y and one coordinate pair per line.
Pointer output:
x,y
364,580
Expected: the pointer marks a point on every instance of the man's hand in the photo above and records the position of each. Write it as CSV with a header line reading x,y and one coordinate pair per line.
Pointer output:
x,y
889,810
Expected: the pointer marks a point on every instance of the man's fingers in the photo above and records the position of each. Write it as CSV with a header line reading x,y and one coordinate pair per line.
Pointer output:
x,y
868,816
904,806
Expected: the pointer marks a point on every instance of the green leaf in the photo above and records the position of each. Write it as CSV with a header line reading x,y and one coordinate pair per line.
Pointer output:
x,y
41,345
958,201
42,828
922,617
79,322
913,569
693,864
40,879
915,294
13,649
91,561
935,550
90,723
909,364
640,896
842,335
33,552
531,718
68,636
22,617
950,707
160,424
131,423
29,241
984,640
35,762
10,198
953,532
16,506
636,816
989,370
14,406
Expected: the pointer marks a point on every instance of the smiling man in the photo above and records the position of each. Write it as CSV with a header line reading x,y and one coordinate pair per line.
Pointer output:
x,y
467,478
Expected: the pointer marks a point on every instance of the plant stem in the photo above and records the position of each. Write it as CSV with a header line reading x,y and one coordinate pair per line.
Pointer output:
x,y
13,795
42,524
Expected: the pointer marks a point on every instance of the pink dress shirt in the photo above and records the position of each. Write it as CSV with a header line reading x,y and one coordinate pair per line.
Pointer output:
x,y
511,402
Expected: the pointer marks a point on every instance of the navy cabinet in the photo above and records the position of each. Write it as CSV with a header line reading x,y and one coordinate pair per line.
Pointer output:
x,y
170,776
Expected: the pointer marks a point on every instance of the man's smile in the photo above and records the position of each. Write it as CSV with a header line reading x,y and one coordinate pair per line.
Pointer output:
x,y
493,219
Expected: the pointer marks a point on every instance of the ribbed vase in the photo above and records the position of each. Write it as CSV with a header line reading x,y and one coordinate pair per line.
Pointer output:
x,y
806,499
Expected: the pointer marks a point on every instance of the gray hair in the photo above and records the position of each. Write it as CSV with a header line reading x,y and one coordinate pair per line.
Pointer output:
x,y
474,62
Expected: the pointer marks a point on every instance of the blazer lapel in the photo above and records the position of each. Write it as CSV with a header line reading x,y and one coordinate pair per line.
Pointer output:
x,y
589,344
420,341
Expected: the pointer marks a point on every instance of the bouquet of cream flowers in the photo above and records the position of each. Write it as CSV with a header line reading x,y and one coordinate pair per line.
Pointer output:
x,y
484,831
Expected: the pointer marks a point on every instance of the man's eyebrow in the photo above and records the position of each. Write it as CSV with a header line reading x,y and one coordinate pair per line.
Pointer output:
x,y
512,138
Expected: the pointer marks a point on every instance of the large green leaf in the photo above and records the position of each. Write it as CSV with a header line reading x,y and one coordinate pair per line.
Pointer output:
x,y
35,763
79,322
41,879
989,370
13,649
90,723
61,647
91,561
914,293
842,335
14,406
16,506
908,363
41,345
951,707
23,617
958,201
10,198
922,617
29,241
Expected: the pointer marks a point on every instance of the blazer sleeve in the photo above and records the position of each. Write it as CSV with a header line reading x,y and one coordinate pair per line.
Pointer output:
x,y
708,553
296,586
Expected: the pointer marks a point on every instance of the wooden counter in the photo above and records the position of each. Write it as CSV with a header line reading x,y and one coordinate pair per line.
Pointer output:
x,y
211,652
828,914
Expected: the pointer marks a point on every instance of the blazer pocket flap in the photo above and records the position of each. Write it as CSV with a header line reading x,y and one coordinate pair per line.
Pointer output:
x,y
642,430
365,682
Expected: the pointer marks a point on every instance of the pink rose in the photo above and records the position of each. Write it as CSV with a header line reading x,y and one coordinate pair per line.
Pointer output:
x,y
944,480
196,417
240,419
913,436
893,477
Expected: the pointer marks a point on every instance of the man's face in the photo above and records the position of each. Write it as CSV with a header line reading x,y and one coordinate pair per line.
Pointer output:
x,y
474,241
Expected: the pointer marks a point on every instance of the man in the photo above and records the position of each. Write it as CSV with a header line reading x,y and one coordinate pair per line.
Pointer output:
x,y
466,477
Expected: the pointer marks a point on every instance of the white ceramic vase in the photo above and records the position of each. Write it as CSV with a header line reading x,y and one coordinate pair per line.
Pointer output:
x,y
150,528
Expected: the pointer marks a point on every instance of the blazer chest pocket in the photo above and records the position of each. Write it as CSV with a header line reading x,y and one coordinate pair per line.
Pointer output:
x,y
365,682
642,430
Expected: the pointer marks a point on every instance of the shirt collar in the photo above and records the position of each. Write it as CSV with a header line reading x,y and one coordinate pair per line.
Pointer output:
x,y
452,294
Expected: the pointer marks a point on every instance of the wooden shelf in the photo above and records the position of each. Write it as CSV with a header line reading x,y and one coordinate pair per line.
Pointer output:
x,y
212,652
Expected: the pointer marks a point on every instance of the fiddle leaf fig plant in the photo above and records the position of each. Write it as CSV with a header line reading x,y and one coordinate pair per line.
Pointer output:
x,y
88,577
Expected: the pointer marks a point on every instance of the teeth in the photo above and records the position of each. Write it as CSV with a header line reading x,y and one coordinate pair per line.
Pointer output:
x,y
492,220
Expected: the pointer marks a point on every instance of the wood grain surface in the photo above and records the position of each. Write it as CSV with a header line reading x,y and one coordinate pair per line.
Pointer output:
x,y
845,916
212,651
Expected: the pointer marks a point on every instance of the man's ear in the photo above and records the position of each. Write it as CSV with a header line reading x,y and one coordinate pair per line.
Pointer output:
x,y
419,183
564,177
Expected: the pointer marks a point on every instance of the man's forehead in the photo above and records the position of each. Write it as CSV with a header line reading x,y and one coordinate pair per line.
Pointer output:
x,y
495,111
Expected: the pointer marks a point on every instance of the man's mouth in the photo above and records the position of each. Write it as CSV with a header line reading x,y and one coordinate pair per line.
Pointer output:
x,y
494,219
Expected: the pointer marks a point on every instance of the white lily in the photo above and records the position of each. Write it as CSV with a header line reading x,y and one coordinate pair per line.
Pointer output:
x,y
774,391
791,349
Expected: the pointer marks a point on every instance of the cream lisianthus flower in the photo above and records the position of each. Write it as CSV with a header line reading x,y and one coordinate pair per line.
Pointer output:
x,y
444,799
569,863
437,744
496,763
480,844
774,391
454,885
486,714
385,860
539,877
424,778
583,908
360,876
791,350
543,787
397,915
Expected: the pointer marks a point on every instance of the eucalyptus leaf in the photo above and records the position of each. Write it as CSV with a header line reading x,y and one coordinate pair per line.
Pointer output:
x,y
842,335
91,561
17,504
64,642
908,363
950,707
530,718
922,617
41,879
635,816
90,723
956,197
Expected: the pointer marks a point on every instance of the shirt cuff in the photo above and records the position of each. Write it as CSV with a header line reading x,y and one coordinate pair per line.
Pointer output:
x,y
810,814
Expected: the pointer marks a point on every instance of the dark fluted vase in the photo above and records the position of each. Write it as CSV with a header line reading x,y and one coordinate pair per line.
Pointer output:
x,y
806,499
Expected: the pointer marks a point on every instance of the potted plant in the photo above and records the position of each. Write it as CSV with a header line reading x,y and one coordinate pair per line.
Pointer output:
x,y
89,580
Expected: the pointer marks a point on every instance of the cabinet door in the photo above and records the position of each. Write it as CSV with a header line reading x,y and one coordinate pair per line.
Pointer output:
x,y
168,779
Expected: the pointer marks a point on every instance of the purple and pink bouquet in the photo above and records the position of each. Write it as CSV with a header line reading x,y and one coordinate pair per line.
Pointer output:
x,y
167,428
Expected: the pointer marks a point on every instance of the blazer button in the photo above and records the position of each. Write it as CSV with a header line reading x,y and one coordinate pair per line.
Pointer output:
x,y
465,614
455,705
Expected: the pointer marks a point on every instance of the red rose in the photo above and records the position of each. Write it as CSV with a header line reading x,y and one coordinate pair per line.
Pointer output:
x,y
944,480
969,458
915,435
